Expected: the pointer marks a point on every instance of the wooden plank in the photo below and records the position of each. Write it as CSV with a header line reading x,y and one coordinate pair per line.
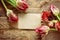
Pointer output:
x,y
17,35
4,24
52,35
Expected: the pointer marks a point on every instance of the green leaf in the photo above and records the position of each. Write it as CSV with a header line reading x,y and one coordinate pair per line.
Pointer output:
x,y
12,2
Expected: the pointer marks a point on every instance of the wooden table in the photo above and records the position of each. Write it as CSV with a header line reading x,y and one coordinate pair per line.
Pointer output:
x,y
9,31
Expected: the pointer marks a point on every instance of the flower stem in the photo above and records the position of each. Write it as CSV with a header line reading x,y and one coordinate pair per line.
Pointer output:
x,y
58,16
4,5
53,29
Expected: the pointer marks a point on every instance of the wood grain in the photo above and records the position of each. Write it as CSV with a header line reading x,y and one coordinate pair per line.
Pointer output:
x,y
16,34
4,24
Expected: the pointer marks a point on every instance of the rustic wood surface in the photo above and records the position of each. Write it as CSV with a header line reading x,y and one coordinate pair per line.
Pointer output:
x,y
15,34
18,35
52,35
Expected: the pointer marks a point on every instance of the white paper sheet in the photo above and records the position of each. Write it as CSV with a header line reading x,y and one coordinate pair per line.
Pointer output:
x,y
29,21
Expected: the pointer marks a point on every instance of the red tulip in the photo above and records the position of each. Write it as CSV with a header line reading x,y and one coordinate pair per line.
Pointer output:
x,y
47,16
11,16
42,29
57,26
22,5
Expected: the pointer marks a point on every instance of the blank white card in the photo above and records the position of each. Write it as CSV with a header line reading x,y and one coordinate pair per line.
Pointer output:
x,y
29,20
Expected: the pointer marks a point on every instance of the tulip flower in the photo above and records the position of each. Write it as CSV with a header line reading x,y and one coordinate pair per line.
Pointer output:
x,y
47,16
55,11
57,26
42,29
11,16
21,5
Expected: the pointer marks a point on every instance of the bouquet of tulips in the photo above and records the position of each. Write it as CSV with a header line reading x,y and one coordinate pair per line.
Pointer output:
x,y
20,5
50,19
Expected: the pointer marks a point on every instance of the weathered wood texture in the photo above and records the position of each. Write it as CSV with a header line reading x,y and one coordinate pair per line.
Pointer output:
x,y
17,35
13,34
4,24
52,35
27,35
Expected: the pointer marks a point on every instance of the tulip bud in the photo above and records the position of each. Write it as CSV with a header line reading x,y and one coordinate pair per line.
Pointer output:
x,y
55,11
42,29
11,16
57,26
47,16
21,5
